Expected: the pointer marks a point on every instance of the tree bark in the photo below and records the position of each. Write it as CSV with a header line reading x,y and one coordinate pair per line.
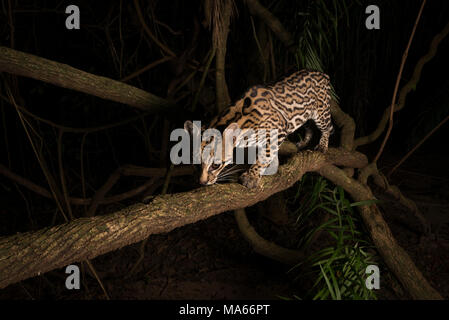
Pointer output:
x,y
30,254
264,247
220,34
63,75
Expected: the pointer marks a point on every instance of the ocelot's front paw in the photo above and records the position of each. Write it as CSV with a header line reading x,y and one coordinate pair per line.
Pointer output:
x,y
250,181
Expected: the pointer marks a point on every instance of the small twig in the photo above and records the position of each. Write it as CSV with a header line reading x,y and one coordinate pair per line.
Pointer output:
x,y
380,180
417,146
148,31
11,25
5,135
99,195
155,173
146,68
203,78
12,42
91,267
272,61
50,180
167,179
396,87
115,57
62,175
122,43
428,176
272,22
184,82
83,179
76,130
27,206
164,142
166,26
265,64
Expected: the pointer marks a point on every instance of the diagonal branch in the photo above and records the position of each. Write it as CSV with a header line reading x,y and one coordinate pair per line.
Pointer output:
x,y
63,75
29,254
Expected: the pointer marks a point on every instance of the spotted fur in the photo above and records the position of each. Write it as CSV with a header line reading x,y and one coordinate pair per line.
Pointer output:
x,y
285,106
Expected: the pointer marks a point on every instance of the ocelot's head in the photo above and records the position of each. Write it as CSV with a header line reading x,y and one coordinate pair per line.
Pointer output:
x,y
214,149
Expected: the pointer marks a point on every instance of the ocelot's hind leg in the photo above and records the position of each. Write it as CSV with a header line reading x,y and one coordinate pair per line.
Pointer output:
x,y
324,123
307,137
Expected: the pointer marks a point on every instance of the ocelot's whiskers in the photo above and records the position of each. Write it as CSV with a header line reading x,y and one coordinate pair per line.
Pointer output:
x,y
230,170
229,174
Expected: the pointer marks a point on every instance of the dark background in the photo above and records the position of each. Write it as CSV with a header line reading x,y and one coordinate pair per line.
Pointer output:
x,y
363,65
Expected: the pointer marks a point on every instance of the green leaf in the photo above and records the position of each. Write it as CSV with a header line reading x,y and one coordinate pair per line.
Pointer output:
x,y
365,202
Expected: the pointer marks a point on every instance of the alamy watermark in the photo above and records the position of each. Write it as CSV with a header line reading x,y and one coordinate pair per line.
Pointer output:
x,y
73,20
73,280
373,280
372,22
212,146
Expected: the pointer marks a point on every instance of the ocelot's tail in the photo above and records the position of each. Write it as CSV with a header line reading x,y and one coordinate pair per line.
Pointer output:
x,y
304,142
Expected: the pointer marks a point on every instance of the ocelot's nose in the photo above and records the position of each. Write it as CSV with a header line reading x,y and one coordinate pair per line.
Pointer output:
x,y
203,179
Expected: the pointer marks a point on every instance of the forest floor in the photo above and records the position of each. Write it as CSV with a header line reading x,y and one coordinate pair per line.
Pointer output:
x,y
211,260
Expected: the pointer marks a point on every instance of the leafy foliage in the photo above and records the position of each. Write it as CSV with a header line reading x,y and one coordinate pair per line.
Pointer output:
x,y
318,34
338,266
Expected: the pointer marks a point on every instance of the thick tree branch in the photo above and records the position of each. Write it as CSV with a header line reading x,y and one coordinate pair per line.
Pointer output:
x,y
265,247
346,124
63,75
222,14
26,255
381,181
29,254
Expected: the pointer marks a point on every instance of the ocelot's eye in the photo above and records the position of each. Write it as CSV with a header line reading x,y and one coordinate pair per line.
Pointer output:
x,y
214,166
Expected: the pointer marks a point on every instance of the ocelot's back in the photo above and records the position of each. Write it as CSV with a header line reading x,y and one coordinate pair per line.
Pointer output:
x,y
284,107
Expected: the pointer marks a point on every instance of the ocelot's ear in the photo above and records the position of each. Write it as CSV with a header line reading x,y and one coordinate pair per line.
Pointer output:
x,y
188,126
192,128
233,130
232,127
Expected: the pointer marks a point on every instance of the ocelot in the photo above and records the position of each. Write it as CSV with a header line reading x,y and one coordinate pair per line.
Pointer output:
x,y
284,106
